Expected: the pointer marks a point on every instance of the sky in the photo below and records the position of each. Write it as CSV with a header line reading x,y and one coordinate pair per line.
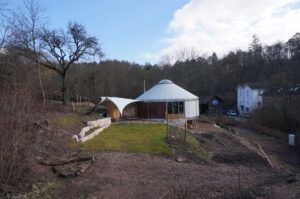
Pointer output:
x,y
151,30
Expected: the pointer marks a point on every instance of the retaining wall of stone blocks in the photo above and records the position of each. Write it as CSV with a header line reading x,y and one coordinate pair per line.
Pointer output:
x,y
101,123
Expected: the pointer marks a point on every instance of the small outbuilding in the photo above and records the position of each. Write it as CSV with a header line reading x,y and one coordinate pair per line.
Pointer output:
x,y
211,105
167,99
115,106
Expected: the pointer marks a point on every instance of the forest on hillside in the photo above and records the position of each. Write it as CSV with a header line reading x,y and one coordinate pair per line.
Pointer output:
x,y
277,65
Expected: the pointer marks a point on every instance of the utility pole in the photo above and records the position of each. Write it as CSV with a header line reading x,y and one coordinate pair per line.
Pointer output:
x,y
144,86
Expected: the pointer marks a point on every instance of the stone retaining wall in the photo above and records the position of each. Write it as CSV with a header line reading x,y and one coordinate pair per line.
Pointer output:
x,y
101,123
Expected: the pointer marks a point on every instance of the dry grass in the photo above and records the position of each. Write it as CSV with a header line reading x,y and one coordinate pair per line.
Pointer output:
x,y
17,107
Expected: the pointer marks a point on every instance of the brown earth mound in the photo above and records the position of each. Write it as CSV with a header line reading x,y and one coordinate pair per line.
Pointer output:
x,y
223,147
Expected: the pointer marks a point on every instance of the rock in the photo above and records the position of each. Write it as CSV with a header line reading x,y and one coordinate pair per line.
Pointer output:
x,y
180,159
35,188
75,137
71,169
291,178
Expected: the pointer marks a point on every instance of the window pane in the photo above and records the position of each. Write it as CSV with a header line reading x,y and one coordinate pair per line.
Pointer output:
x,y
170,111
175,106
181,108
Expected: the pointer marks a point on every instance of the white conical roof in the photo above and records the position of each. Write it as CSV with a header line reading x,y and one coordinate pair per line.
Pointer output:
x,y
166,90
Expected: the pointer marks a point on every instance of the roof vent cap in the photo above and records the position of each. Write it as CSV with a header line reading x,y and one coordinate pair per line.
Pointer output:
x,y
165,81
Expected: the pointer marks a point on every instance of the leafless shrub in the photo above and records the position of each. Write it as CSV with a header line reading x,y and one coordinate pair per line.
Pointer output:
x,y
17,104
284,118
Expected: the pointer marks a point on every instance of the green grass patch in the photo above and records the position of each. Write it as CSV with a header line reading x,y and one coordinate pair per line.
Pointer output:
x,y
134,138
74,120
68,120
91,117
192,148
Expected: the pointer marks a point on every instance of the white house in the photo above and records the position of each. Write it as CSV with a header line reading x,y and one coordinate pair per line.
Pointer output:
x,y
249,97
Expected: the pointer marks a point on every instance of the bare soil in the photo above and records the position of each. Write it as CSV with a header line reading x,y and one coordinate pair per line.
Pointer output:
x,y
123,175
276,148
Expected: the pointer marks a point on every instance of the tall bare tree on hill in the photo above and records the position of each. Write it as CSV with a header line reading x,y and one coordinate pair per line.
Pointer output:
x,y
64,48
27,24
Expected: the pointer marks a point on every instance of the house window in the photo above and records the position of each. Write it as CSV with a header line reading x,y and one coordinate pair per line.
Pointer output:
x,y
175,107
247,109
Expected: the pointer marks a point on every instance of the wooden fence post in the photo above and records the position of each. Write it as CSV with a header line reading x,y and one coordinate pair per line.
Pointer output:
x,y
168,128
185,127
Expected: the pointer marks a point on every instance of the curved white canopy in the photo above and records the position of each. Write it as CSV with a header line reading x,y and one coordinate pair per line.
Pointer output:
x,y
166,90
120,103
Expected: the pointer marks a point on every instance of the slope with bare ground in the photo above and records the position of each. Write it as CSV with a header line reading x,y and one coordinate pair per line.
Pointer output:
x,y
234,172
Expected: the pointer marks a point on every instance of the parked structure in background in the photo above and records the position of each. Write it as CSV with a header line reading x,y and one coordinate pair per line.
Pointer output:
x,y
211,105
249,97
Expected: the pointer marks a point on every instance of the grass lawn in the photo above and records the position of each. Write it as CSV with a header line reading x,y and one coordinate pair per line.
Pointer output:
x,y
134,138
73,120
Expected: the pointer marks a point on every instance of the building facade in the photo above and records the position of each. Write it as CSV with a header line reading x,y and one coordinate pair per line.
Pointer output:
x,y
249,97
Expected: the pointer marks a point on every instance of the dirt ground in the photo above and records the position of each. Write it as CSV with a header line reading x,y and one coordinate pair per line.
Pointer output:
x,y
233,172
121,175
276,148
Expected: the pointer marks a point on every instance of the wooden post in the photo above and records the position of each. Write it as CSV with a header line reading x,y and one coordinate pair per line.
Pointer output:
x,y
167,122
185,127
148,110
168,128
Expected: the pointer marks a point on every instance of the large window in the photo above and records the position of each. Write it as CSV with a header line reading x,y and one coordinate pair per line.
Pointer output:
x,y
175,107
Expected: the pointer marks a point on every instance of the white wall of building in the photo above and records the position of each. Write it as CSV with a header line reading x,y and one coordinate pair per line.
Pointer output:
x,y
191,108
248,99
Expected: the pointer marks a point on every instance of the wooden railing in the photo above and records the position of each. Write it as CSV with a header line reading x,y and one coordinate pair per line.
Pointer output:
x,y
174,116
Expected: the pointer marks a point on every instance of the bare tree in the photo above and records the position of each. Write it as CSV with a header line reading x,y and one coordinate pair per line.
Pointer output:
x,y
64,48
26,28
165,60
4,27
186,54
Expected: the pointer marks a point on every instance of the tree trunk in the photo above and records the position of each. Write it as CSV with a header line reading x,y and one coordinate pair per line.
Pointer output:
x,y
64,90
42,89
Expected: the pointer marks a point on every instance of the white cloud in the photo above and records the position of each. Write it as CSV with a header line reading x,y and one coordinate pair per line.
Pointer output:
x,y
222,25
150,57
